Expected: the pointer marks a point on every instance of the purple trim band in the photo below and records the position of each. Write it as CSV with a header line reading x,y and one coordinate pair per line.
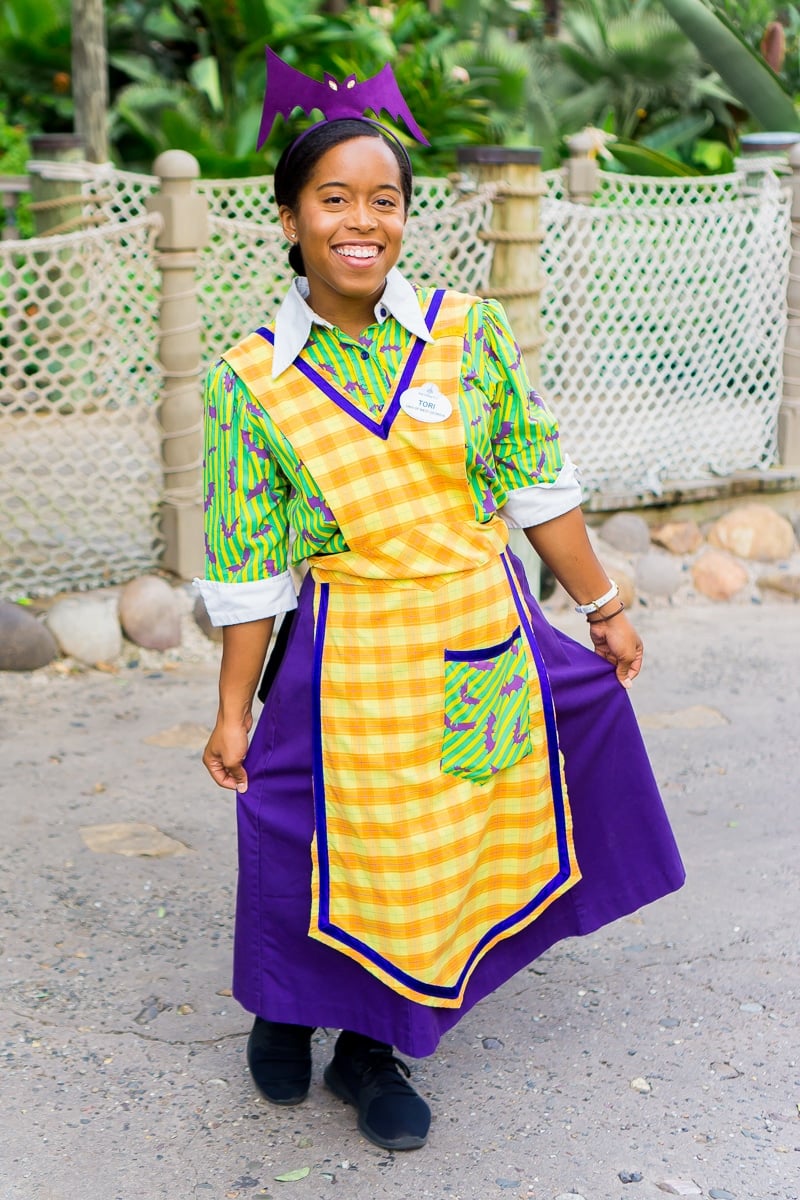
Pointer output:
x,y
348,939
383,427
317,768
480,655
549,711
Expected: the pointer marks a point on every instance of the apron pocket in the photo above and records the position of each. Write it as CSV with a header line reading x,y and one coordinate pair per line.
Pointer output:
x,y
486,709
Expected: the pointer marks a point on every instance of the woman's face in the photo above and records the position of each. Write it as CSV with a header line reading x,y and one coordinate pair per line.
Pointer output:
x,y
349,222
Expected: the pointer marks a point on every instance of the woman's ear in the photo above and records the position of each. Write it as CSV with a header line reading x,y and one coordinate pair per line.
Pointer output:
x,y
287,221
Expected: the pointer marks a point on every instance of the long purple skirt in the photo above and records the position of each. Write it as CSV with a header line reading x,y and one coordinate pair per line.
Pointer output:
x,y
623,842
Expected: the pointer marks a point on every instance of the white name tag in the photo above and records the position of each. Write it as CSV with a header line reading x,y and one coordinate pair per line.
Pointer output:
x,y
426,403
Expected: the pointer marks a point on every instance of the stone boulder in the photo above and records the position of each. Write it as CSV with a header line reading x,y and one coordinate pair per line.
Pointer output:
x,y
658,574
626,532
753,531
87,628
25,643
150,613
679,537
718,575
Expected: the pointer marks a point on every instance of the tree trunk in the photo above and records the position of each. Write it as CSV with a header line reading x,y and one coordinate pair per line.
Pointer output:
x,y
90,77
552,18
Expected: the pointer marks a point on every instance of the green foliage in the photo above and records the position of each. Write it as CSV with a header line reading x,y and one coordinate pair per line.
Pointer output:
x,y
756,87
14,154
190,73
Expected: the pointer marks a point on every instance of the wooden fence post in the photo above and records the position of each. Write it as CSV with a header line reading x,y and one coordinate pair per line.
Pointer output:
x,y
583,172
185,231
516,278
789,414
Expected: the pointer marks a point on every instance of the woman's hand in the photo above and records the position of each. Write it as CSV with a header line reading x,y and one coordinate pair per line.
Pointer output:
x,y
617,641
225,751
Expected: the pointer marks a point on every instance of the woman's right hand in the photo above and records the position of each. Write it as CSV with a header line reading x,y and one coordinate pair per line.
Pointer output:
x,y
225,752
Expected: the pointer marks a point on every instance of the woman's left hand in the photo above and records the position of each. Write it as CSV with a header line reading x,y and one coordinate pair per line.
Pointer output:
x,y
619,643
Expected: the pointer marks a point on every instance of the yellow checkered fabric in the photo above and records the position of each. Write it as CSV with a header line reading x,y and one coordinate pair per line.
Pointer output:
x,y
430,846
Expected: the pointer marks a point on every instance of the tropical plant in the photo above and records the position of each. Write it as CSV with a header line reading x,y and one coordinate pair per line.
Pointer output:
x,y
752,83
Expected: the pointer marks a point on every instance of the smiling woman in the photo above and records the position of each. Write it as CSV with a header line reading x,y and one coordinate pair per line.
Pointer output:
x,y
343,196
406,838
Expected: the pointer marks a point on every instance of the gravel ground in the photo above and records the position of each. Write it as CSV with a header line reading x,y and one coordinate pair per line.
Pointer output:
x,y
125,1075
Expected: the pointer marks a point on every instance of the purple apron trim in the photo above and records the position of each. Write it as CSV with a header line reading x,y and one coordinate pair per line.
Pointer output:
x,y
480,655
383,427
549,718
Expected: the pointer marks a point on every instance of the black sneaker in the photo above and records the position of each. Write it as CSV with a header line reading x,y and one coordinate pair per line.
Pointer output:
x,y
367,1075
279,1058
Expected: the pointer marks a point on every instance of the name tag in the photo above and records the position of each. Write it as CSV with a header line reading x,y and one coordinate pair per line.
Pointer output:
x,y
426,403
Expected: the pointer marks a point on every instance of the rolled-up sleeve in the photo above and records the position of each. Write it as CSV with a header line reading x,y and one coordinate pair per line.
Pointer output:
x,y
534,480
244,508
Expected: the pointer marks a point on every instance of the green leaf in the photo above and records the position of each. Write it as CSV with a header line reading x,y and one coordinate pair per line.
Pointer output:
x,y
293,1176
678,132
712,156
204,74
641,160
756,87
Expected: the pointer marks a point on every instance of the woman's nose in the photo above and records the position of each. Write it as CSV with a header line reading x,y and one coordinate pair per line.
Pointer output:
x,y
361,216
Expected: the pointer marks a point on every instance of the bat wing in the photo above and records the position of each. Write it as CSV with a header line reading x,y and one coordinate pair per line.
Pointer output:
x,y
288,89
380,92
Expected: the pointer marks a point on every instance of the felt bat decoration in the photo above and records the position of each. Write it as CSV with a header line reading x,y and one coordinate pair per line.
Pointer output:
x,y
288,89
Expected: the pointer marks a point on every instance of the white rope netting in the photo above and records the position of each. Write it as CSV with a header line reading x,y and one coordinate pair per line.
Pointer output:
x,y
664,318
80,457
663,314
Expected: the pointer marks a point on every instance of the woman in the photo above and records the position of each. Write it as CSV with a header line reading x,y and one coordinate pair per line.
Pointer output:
x,y
405,834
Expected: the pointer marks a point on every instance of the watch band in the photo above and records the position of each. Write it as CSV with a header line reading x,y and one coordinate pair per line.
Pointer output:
x,y
612,592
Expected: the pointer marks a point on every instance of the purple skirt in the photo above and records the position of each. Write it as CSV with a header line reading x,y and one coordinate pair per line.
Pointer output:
x,y
623,842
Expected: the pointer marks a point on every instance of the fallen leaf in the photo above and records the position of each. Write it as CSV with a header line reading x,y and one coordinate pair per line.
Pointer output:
x,y
293,1176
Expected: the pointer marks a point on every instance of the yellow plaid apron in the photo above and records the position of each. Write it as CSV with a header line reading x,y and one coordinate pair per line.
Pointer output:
x,y
442,822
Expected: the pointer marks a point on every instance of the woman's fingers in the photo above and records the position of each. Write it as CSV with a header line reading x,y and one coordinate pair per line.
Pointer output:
x,y
223,757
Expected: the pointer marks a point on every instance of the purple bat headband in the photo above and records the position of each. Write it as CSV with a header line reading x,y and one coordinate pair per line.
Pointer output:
x,y
288,89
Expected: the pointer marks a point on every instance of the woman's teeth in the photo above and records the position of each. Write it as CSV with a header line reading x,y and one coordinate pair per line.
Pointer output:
x,y
357,251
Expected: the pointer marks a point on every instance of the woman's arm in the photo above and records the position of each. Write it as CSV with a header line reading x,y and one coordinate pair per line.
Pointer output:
x,y
563,545
244,648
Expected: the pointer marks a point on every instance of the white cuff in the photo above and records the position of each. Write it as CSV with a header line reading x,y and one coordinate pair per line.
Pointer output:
x,y
235,603
543,501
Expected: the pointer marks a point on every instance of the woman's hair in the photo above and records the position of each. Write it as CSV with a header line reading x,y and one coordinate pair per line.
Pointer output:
x,y
299,159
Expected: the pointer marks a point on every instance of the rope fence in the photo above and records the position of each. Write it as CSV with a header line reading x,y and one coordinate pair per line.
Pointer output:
x,y
663,315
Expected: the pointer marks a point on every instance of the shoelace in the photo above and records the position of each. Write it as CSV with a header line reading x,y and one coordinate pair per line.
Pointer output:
x,y
385,1067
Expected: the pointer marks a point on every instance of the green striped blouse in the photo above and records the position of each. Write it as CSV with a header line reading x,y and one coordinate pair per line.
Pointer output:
x,y
256,489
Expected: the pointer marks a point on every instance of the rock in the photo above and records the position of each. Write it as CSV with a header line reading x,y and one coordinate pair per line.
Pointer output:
x,y
568,1196
87,628
751,1006
131,839
189,735
679,537
697,716
149,613
658,573
680,1187
641,1085
630,1177
627,532
617,568
720,1194
786,582
492,1043
25,643
718,575
753,531
202,619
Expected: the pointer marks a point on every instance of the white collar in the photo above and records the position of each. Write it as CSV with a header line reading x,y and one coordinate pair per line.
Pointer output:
x,y
295,317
